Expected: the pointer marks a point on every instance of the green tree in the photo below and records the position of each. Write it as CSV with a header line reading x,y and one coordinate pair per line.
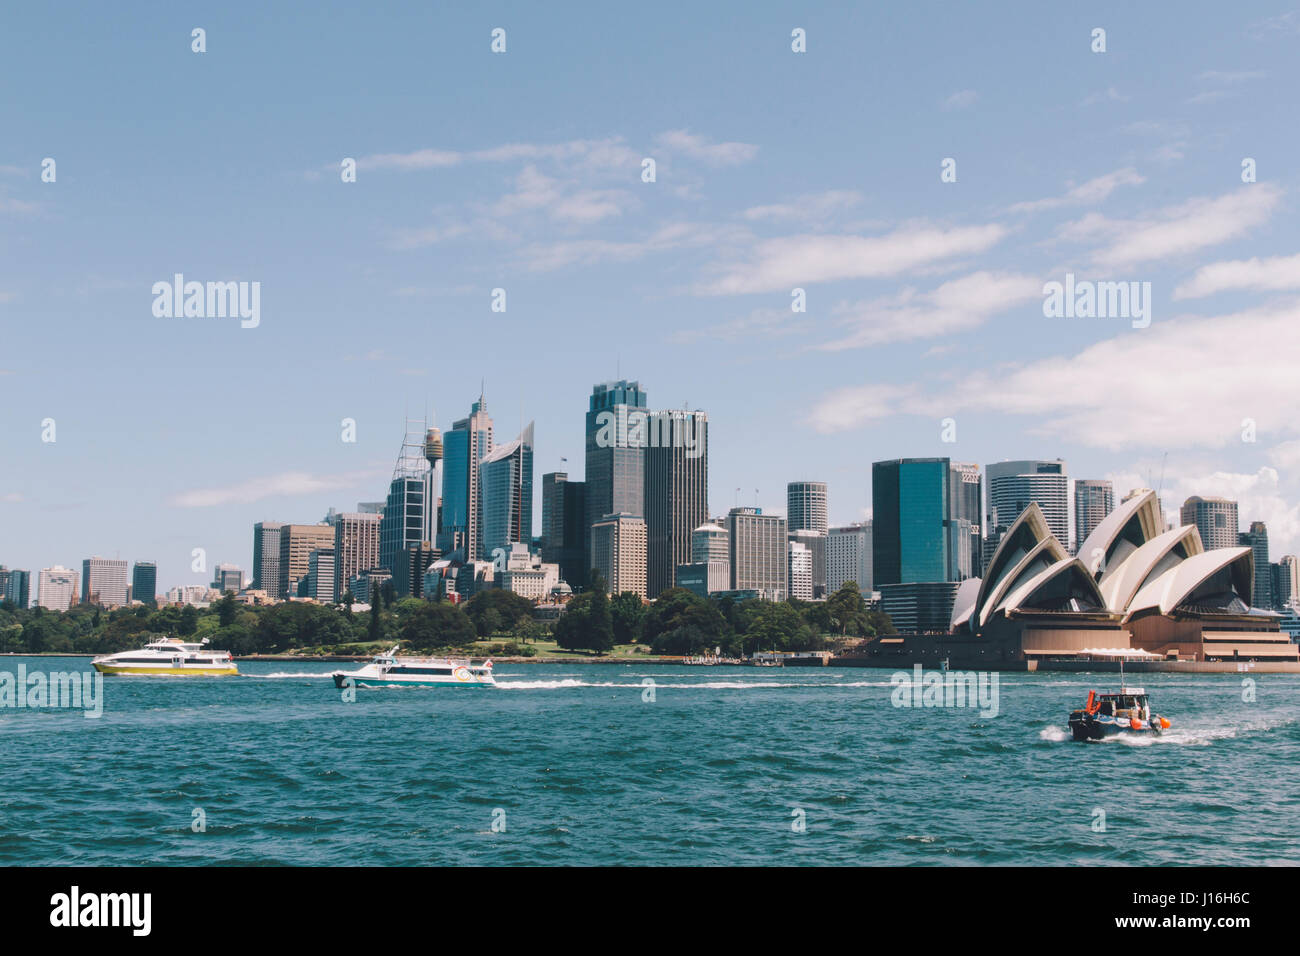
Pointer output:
x,y
375,629
227,609
600,623
437,625
847,610
189,621
627,611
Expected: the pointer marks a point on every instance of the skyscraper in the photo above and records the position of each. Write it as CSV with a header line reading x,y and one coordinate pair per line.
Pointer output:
x,y
1215,519
1012,485
615,468
408,517
297,542
1290,574
1093,500
228,577
321,574
144,582
103,581
676,492
618,550
56,588
18,588
800,570
507,494
806,506
564,517
758,550
464,447
848,557
1257,540
966,522
266,558
356,547
815,542
911,516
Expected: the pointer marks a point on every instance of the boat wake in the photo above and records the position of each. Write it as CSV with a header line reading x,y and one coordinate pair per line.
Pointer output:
x,y
681,685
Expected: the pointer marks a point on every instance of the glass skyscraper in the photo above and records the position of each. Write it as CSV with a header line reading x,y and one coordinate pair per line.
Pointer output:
x,y
507,488
615,466
464,447
911,513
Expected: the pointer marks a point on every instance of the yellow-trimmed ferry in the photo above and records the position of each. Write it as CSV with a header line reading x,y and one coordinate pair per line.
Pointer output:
x,y
168,657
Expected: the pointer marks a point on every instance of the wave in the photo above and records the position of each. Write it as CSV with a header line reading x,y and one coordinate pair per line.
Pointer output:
x,y
285,675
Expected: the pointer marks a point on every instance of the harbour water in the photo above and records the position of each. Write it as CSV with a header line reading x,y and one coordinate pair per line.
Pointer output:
x,y
583,764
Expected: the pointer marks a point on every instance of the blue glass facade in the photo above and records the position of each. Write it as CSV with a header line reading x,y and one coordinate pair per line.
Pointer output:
x,y
910,512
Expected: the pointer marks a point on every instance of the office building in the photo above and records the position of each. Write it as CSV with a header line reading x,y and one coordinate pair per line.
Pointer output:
x,y
564,518
806,506
18,587
919,607
409,511
507,494
815,542
615,456
799,570
965,521
1012,485
1289,570
103,581
757,553
144,582
464,447
618,551
228,577
356,546
56,588
911,517
266,558
297,542
321,575
1093,499
676,492
1257,540
411,564
1214,518
848,558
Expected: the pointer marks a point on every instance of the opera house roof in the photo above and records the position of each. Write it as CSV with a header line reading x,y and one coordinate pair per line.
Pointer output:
x,y
1129,566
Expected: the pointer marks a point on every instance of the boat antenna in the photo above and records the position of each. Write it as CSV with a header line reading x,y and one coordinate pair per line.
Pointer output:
x,y
1121,673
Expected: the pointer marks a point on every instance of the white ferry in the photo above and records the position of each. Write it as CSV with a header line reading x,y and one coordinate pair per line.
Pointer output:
x,y
168,657
387,670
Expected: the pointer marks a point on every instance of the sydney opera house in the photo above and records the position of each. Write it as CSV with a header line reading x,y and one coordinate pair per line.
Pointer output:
x,y
1134,590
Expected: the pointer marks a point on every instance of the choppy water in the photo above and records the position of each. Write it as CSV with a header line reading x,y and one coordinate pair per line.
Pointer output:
x,y
586,771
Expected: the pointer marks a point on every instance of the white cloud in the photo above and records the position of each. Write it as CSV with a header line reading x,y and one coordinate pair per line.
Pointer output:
x,y
1108,95
290,483
761,323
697,147
1258,275
955,306
1185,382
604,153
796,261
1176,230
855,405
816,206
1086,193
960,100
543,257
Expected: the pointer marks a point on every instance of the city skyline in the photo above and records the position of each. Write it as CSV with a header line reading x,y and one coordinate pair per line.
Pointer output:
x,y
924,298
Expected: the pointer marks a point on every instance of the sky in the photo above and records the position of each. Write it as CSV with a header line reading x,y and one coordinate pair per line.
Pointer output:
x,y
522,170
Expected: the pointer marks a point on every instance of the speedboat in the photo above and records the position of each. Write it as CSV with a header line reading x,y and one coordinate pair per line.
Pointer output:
x,y
1125,712
386,670
168,657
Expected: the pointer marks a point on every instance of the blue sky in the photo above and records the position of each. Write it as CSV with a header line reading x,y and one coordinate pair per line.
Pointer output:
x,y
522,171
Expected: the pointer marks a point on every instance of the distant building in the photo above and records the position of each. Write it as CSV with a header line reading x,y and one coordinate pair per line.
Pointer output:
x,y
507,492
466,445
144,582
228,577
618,552
800,570
297,542
18,587
266,558
1012,485
1289,587
56,588
815,542
356,547
806,506
848,557
564,504
615,466
911,521
676,492
473,577
1257,540
412,563
919,607
526,575
757,544
366,584
321,575
704,577
966,522
1094,498
1215,519
103,581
